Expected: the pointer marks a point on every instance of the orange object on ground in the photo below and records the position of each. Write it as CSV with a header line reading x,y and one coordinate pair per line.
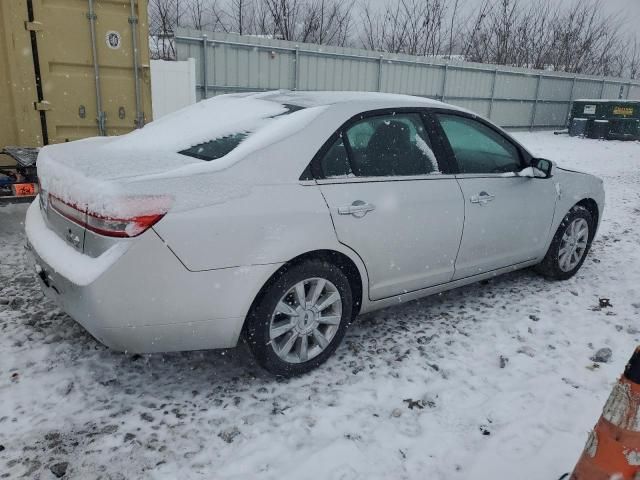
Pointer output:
x,y
612,451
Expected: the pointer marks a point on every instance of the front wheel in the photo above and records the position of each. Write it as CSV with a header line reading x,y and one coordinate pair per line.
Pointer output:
x,y
569,246
300,318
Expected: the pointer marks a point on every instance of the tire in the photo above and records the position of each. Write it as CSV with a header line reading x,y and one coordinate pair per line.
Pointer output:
x,y
553,266
271,326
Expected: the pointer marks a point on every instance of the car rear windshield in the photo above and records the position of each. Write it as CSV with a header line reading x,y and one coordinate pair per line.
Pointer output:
x,y
219,147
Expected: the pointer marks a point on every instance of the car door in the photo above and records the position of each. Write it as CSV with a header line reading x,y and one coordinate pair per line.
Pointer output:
x,y
392,202
507,217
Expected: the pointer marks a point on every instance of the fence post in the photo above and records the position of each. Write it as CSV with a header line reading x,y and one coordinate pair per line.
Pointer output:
x,y
493,91
380,73
443,95
602,88
629,90
296,71
205,80
535,103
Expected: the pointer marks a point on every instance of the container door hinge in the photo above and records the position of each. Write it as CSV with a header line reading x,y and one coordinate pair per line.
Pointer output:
x,y
33,26
42,106
139,121
102,121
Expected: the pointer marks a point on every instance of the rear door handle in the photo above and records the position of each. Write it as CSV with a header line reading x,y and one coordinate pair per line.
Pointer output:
x,y
482,198
358,209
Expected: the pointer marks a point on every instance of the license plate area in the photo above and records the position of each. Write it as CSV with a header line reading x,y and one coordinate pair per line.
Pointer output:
x,y
24,189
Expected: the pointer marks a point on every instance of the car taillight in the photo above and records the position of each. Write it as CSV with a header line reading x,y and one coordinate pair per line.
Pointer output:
x,y
115,226
67,210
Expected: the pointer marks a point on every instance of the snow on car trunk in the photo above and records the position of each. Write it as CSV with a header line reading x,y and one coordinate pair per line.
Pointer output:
x,y
95,174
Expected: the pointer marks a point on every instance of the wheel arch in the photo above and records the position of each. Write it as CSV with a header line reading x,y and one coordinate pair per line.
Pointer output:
x,y
592,206
346,264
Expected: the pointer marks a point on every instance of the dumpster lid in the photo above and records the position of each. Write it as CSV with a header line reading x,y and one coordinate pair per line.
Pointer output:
x,y
605,100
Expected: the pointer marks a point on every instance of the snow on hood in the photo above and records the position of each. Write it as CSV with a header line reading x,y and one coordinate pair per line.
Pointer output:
x,y
95,173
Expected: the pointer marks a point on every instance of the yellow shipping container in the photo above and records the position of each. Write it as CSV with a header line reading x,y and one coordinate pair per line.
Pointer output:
x,y
68,69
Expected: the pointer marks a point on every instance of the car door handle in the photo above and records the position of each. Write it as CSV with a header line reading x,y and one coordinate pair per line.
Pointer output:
x,y
482,198
358,209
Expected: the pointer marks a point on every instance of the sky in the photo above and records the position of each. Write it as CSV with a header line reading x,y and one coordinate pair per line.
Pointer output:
x,y
630,9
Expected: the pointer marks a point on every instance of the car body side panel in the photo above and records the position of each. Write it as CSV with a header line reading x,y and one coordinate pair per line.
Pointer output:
x,y
411,238
509,228
268,224
147,301
571,188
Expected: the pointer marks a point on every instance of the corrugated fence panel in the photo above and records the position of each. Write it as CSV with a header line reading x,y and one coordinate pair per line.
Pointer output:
x,y
552,88
512,114
551,114
511,97
513,86
468,83
612,90
587,89
481,107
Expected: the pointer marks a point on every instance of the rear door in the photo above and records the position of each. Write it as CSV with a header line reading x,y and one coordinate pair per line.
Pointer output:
x,y
392,201
507,217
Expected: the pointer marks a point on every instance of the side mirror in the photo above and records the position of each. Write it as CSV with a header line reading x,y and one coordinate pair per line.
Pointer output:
x,y
542,167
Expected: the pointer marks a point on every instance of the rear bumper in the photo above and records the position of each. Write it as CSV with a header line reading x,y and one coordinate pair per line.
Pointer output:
x,y
147,301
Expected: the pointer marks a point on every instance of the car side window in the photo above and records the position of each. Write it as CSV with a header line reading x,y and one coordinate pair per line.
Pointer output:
x,y
478,148
390,145
335,162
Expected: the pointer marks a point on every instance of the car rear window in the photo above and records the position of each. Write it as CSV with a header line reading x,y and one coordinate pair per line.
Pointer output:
x,y
219,147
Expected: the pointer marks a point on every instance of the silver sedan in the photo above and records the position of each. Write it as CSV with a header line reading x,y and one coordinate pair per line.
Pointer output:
x,y
279,217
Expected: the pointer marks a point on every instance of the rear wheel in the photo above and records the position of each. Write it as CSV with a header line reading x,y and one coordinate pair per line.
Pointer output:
x,y
300,318
569,246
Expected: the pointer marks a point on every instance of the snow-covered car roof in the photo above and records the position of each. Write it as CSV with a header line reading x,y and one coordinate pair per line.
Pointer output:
x,y
280,131
364,100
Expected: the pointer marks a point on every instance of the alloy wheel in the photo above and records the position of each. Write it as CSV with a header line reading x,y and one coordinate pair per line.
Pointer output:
x,y
305,320
573,245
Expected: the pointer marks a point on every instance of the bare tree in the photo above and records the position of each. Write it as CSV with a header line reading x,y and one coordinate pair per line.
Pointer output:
x,y
414,27
162,22
577,38
197,11
453,22
574,37
316,21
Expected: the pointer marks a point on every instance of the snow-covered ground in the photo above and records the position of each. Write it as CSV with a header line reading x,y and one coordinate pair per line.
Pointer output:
x,y
489,381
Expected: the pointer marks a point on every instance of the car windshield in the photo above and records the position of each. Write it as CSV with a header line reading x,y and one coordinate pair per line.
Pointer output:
x,y
219,147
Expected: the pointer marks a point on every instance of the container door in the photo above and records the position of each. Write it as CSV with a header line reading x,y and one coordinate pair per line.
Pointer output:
x,y
20,121
66,59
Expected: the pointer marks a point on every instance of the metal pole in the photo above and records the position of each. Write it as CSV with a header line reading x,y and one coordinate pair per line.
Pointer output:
x,y
96,69
493,92
629,90
205,80
444,83
602,88
380,73
535,104
296,71
133,20
571,96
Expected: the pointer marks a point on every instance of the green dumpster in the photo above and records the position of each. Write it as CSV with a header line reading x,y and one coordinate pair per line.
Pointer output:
x,y
608,119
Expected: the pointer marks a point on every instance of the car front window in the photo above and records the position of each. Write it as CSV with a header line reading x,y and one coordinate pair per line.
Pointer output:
x,y
477,148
